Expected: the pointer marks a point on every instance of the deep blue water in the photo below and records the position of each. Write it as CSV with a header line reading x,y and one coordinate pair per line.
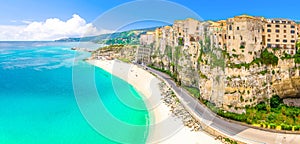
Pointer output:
x,y
39,101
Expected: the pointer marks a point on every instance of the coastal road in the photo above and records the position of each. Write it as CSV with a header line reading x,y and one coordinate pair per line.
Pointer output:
x,y
230,129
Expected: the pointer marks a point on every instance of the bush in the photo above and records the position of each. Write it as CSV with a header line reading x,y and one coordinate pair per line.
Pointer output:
x,y
263,72
261,106
297,128
286,56
273,126
297,56
269,58
286,127
275,101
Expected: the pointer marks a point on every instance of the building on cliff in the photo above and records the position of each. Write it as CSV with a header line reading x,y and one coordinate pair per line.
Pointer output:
x,y
148,38
186,31
219,30
230,78
281,33
245,36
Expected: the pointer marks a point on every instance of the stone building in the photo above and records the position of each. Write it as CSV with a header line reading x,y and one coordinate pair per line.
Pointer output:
x,y
244,36
281,33
298,33
166,38
158,36
148,38
143,54
219,30
186,31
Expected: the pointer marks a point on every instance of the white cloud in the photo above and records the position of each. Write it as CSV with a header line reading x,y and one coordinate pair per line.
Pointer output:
x,y
51,29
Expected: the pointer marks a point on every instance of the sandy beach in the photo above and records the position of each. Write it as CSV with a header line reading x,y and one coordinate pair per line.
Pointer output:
x,y
164,127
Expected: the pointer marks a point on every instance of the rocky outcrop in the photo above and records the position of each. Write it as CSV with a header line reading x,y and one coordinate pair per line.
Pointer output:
x,y
288,88
123,52
225,84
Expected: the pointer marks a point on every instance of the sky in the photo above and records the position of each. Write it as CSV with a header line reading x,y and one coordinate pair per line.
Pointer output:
x,y
54,19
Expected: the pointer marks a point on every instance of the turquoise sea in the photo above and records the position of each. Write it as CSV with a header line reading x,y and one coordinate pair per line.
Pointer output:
x,y
38,103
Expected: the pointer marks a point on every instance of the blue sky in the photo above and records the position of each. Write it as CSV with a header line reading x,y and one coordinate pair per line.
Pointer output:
x,y
38,10
22,12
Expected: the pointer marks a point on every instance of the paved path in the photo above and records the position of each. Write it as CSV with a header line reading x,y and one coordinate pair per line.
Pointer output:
x,y
233,130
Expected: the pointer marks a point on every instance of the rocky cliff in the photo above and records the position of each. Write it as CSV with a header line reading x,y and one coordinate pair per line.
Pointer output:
x,y
123,52
229,86
224,79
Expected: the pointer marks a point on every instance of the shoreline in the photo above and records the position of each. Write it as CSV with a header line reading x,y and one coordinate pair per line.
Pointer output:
x,y
164,126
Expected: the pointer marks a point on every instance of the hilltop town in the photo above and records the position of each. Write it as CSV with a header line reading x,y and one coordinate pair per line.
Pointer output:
x,y
235,66
234,63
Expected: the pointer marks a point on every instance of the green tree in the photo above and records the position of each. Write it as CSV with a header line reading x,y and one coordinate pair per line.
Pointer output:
x,y
275,101
297,56
298,44
261,106
269,58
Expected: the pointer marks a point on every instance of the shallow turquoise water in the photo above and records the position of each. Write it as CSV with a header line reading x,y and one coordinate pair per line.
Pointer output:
x,y
38,105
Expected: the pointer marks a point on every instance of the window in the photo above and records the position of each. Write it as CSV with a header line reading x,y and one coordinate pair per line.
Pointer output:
x,y
269,35
277,26
229,37
292,41
237,28
284,36
284,26
269,30
292,26
284,31
292,36
269,45
241,37
277,40
230,27
277,31
292,31
269,40
285,41
277,36
268,25
277,46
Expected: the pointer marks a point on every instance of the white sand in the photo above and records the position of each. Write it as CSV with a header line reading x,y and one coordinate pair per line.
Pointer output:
x,y
164,128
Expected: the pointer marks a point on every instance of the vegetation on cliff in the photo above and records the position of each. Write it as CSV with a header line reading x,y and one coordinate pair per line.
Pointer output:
x,y
297,56
209,61
125,53
266,57
275,115
111,48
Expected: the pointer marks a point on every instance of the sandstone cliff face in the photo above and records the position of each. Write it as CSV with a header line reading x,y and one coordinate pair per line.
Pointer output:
x,y
231,89
288,88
